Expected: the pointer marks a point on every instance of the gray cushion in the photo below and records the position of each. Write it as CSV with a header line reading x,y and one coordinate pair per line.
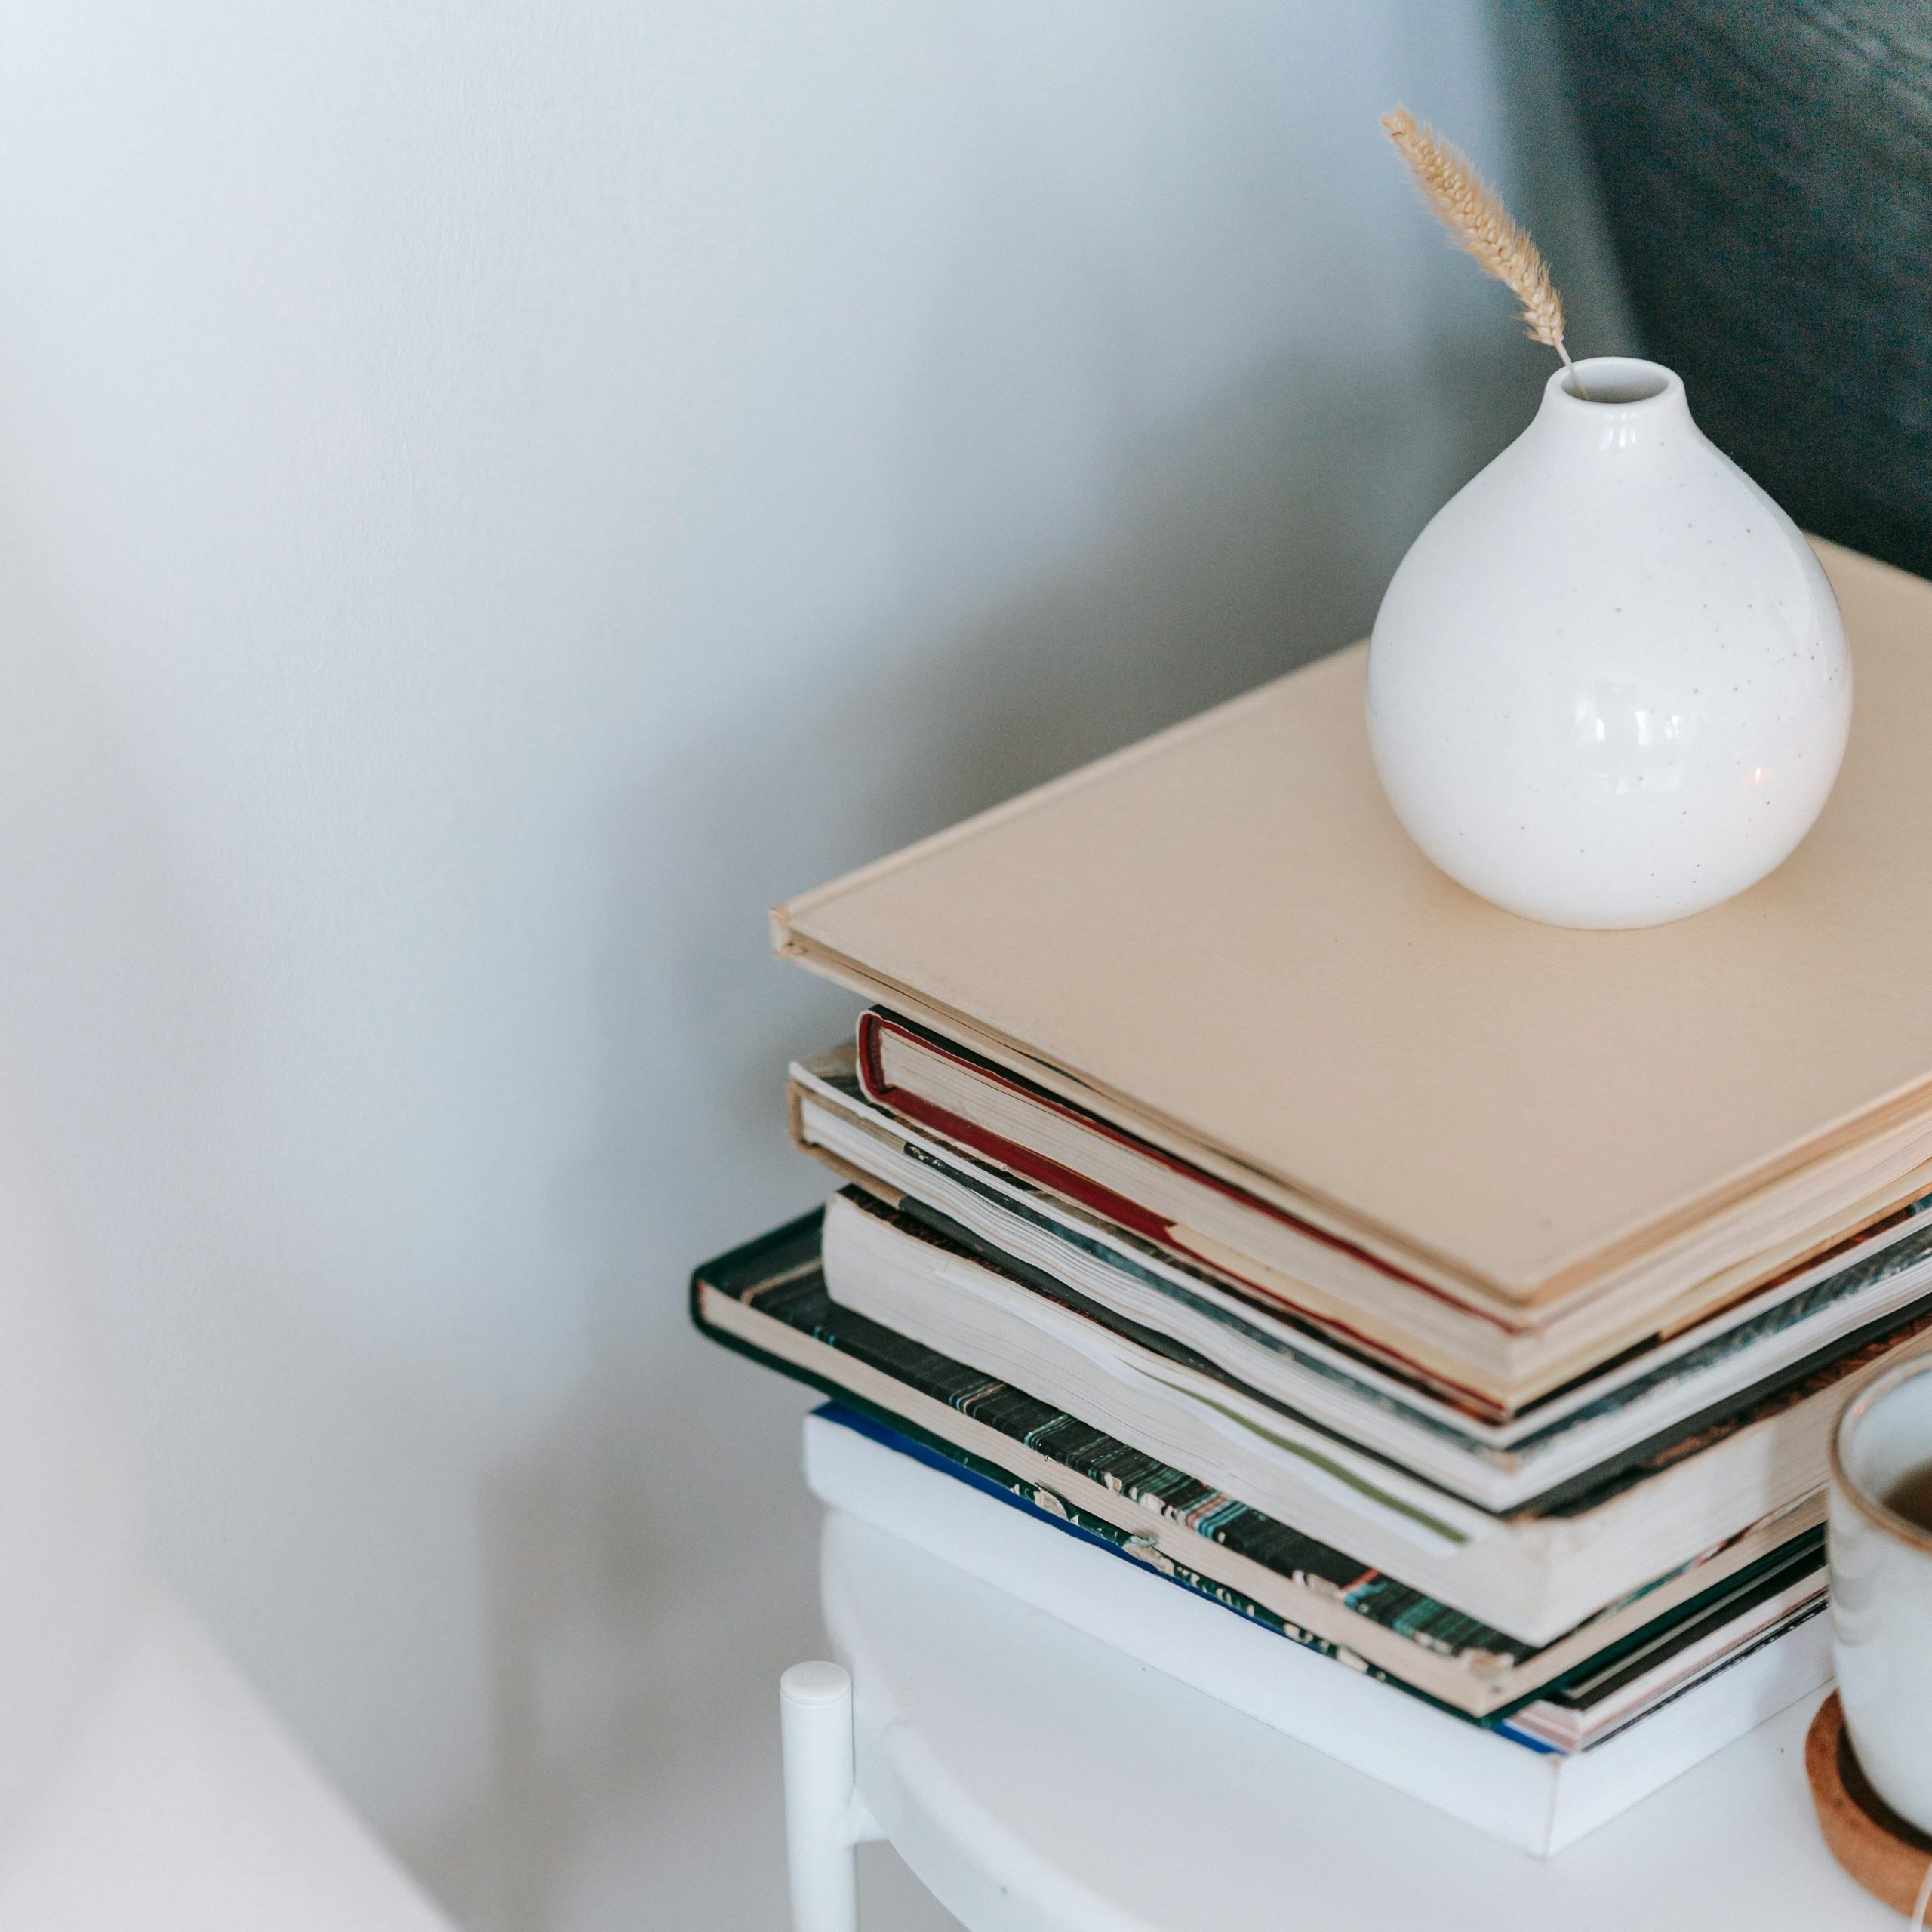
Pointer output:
x,y
1766,167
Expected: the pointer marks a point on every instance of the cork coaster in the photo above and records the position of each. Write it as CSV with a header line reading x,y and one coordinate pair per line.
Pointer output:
x,y
1886,1855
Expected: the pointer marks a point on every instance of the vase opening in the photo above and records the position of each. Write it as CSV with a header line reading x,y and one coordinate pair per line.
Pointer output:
x,y
1617,379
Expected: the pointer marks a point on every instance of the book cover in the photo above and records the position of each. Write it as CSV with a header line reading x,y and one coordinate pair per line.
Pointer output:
x,y
1862,1292
1504,1359
767,1300
1221,939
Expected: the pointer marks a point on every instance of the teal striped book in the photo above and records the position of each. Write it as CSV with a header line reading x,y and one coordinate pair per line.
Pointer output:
x,y
767,1299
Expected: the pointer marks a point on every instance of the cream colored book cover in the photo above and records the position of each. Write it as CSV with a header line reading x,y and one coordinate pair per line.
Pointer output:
x,y
1221,938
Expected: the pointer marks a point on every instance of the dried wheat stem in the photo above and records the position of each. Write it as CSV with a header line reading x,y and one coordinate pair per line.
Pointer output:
x,y
1479,224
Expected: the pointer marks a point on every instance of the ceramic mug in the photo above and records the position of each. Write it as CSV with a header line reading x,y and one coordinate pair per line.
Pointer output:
x,y
1881,1582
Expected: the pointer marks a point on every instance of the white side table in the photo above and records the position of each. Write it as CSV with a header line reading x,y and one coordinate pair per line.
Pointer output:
x,y
1036,1780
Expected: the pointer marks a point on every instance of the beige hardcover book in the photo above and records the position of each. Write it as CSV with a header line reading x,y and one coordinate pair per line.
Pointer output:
x,y
1221,940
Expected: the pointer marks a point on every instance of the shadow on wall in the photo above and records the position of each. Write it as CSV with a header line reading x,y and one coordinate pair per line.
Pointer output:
x,y
1259,539
277,832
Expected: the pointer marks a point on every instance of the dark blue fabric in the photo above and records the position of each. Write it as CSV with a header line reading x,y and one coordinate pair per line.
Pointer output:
x,y
1766,167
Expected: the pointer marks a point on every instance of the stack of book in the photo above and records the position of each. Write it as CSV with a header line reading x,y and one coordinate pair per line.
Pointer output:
x,y
1417,1327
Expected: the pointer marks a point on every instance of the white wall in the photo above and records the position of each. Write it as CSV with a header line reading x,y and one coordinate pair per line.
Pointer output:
x,y
492,495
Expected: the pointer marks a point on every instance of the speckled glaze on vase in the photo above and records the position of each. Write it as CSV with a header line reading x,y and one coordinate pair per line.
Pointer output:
x,y
1609,685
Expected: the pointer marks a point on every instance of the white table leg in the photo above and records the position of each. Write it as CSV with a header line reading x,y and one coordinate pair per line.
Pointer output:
x,y
825,1816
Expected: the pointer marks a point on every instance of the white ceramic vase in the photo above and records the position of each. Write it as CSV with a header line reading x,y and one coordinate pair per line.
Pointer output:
x,y
1609,684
